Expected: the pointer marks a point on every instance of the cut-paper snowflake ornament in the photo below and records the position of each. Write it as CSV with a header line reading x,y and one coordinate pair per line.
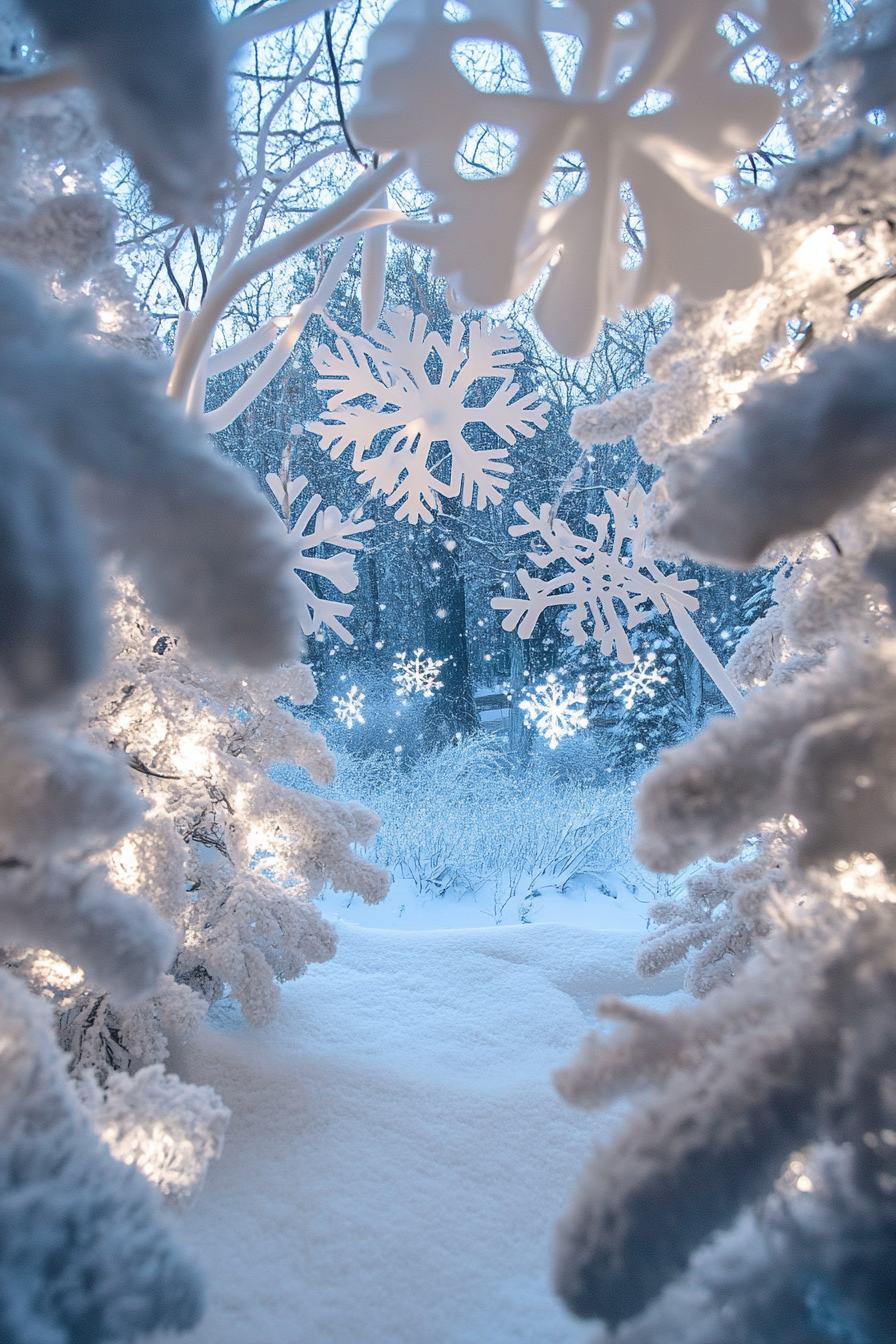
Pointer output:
x,y
399,399
641,678
347,708
418,675
314,528
554,711
598,576
651,103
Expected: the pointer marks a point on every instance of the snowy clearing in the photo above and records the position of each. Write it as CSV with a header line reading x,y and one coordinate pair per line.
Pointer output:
x,y
397,1156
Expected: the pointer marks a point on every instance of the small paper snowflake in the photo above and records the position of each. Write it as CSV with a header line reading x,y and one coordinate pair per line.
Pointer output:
x,y
555,712
347,708
311,530
419,675
642,678
400,398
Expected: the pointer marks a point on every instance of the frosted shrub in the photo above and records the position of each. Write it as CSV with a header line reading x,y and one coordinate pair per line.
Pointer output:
x,y
465,820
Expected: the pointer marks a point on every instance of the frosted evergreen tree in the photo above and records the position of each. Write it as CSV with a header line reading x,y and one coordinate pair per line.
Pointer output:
x,y
100,469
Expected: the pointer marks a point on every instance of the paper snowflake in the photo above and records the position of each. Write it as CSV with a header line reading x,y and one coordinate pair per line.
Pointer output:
x,y
650,102
316,527
593,575
596,574
419,675
347,708
399,399
555,712
642,678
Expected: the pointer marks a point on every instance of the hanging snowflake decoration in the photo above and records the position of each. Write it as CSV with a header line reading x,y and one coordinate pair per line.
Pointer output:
x,y
400,399
419,675
650,102
347,708
316,527
555,712
601,574
642,678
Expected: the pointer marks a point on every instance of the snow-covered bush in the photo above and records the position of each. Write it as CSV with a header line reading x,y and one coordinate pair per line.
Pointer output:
x,y
101,469
467,820
749,1193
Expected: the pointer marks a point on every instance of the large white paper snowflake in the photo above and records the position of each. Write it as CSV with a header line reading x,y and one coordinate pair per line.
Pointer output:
x,y
347,708
316,527
598,576
399,398
555,712
418,675
652,103
641,678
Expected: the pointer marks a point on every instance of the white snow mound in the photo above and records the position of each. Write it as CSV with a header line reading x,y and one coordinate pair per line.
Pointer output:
x,y
397,1156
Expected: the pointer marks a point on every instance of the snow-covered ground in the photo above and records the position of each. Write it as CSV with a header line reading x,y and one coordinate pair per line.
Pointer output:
x,y
585,902
397,1156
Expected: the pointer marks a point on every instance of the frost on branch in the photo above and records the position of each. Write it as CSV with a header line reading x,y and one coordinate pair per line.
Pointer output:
x,y
400,398
726,908
797,749
75,1225
652,103
314,528
167,1129
158,71
798,1048
95,434
794,454
229,857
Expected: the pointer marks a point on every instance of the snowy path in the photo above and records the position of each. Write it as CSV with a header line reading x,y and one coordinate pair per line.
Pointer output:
x,y
397,1156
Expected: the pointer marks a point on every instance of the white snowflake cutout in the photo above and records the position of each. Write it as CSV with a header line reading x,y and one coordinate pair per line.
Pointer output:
x,y
417,675
347,708
555,712
313,528
399,398
652,104
641,678
599,573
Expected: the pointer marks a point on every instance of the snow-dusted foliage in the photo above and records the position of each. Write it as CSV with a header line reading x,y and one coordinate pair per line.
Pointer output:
x,y
158,72
313,528
230,858
798,1046
400,395
749,1194
99,467
167,1129
464,819
93,447
650,103
85,1255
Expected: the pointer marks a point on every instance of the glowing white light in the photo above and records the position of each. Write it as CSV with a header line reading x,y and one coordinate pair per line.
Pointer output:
x,y
554,712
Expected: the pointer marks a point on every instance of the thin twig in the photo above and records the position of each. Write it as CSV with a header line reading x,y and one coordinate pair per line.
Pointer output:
x,y
337,86
199,262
